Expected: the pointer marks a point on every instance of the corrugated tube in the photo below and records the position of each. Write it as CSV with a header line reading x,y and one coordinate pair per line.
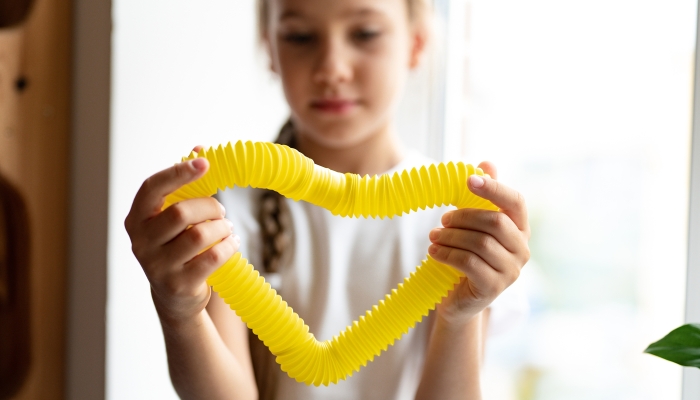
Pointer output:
x,y
285,170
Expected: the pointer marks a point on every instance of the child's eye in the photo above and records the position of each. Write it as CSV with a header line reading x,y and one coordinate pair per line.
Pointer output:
x,y
298,38
365,35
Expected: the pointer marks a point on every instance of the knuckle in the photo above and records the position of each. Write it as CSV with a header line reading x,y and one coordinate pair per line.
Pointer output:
x,y
483,242
213,204
196,235
439,253
526,254
512,275
497,288
147,185
136,249
180,171
443,254
499,220
217,255
497,188
177,213
500,287
492,287
462,216
140,250
216,209
467,260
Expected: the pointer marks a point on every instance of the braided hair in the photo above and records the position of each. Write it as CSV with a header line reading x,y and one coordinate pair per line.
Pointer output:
x,y
277,238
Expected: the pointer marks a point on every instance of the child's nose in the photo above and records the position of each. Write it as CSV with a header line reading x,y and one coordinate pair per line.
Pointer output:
x,y
334,63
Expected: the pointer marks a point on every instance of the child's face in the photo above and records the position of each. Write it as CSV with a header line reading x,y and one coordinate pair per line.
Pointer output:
x,y
342,63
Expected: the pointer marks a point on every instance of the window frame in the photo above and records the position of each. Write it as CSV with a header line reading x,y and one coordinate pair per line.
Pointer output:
x,y
691,376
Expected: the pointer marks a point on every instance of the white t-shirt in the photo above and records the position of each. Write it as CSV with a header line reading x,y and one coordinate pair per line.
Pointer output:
x,y
339,268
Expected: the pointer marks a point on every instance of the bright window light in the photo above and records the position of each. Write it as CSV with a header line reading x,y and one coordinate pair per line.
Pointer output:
x,y
585,107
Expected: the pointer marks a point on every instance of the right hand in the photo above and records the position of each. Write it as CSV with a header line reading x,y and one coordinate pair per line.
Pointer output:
x,y
168,243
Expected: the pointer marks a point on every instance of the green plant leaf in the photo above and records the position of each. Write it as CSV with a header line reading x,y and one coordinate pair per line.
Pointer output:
x,y
681,346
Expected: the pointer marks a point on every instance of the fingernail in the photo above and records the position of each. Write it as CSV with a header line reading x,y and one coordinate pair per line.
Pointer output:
x,y
434,234
237,240
223,209
230,225
198,164
432,249
476,181
446,219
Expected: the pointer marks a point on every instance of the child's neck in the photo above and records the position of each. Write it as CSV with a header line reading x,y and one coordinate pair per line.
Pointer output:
x,y
374,156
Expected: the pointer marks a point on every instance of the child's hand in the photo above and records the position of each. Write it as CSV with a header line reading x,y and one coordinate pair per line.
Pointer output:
x,y
489,247
168,250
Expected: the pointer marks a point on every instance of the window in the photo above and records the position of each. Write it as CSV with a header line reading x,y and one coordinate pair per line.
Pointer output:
x,y
586,109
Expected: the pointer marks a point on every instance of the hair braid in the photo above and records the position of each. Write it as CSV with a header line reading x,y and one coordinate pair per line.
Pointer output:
x,y
277,238
273,215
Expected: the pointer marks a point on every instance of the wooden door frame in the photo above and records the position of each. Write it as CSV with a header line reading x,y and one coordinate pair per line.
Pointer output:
x,y
89,177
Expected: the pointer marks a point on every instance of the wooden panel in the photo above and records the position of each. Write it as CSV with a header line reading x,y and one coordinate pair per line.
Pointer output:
x,y
34,143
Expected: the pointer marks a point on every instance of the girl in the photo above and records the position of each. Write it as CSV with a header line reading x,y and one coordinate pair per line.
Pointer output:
x,y
342,65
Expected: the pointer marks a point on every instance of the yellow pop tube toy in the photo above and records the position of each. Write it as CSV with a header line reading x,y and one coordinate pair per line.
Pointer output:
x,y
285,170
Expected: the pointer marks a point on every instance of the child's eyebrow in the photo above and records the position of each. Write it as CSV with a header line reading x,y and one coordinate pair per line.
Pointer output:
x,y
356,12
363,12
291,14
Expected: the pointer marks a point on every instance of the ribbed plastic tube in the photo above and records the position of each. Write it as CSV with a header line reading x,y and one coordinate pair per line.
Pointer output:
x,y
285,170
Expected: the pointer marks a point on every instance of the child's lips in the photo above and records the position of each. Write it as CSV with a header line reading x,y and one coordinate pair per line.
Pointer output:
x,y
334,106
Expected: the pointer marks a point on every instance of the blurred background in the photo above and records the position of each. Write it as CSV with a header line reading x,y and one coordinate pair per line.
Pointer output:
x,y
585,107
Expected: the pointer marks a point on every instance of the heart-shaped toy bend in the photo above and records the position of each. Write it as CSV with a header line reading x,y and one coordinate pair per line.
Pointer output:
x,y
285,170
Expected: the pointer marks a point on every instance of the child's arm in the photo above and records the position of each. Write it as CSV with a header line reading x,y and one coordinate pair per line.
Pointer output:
x,y
490,248
453,361
167,244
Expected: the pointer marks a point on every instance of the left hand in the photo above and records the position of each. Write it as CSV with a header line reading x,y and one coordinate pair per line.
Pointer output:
x,y
490,247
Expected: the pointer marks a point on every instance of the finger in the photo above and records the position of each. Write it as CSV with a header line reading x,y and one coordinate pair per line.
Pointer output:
x,y
489,168
165,226
197,148
510,201
200,267
494,223
476,269
151,196
483,245
192,241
